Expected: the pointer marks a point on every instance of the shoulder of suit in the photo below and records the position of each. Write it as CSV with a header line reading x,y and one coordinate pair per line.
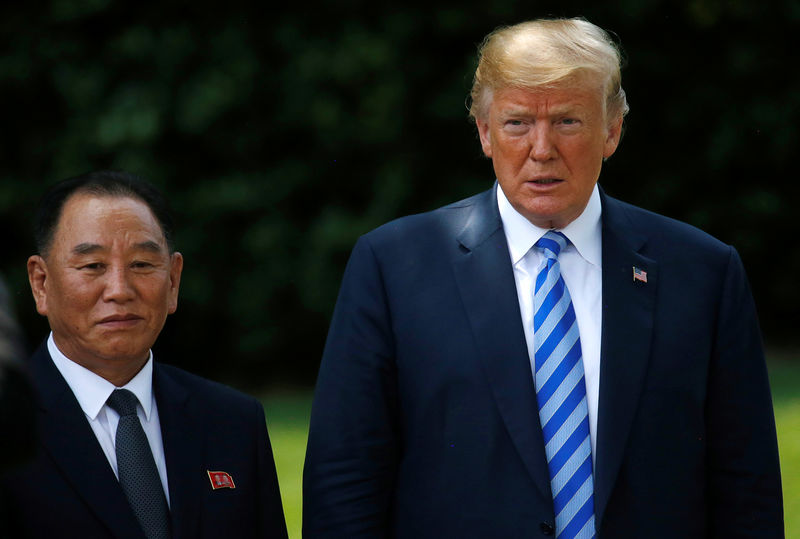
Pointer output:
x,y
216,394
449,218
661,229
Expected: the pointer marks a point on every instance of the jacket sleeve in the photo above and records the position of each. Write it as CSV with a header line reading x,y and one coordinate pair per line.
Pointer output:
x,y
352,453
743,479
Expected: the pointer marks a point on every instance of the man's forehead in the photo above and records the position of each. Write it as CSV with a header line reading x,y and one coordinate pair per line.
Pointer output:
x,y
94,214
85,206
542,100
542,106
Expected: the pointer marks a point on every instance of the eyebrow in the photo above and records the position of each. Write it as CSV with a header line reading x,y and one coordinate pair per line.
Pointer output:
x,y
91,248
148,245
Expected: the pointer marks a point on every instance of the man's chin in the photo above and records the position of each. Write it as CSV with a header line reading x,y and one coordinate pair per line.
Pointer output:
x,y
123,353
545,214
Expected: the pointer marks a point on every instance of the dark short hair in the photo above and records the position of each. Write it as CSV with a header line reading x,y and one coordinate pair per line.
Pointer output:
x,y
100,183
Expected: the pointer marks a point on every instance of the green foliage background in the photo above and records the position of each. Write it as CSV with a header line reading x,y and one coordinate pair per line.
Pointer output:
x,y
281,134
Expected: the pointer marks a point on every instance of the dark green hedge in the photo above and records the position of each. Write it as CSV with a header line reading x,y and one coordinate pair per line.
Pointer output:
x,y
281,135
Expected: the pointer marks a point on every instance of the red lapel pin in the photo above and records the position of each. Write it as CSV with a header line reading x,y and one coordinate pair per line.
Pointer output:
x,y
639,275
220,480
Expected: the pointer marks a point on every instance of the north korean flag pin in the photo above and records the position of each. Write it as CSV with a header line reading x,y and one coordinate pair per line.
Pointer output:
x,y
220,480
639,275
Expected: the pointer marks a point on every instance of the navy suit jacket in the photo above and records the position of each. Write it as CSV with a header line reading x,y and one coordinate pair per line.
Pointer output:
x,y
69,490
425,421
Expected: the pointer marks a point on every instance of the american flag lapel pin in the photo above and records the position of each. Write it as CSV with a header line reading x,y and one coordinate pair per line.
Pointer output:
x,y
639,275
220,480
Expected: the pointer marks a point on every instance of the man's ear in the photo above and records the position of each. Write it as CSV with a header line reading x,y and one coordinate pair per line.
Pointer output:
x,y
485,135
613,137
175,269
37,277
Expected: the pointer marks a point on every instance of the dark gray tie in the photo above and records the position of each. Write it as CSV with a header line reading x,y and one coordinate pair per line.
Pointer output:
x,y
138,474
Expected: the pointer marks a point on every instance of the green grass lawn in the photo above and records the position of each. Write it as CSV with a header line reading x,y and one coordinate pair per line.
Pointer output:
x,y
288,413
784,370
287,420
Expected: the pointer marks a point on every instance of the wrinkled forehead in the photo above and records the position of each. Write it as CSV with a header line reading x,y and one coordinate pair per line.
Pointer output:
x,y
590,84
579,91
87,214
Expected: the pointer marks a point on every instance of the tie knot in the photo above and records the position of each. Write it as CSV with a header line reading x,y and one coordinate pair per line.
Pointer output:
x,y
123,402
551,243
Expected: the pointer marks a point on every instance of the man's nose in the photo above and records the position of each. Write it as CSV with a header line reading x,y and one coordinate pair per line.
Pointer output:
x,y
541,141
118,285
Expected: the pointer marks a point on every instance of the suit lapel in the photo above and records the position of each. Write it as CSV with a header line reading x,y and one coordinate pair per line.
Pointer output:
x,y
628,310
71,443
486,282
183,452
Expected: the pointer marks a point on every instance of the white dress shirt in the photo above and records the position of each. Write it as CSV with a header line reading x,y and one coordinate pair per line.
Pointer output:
x,y
92,391
581,267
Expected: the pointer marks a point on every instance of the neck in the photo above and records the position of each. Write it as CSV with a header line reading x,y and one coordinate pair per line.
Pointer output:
x,y
120,375
117,370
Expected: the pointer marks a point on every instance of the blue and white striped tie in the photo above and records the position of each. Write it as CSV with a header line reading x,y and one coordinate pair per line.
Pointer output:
x,y
561,394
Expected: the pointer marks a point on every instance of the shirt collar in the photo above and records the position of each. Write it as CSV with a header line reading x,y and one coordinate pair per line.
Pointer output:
x,y
92,391
584,233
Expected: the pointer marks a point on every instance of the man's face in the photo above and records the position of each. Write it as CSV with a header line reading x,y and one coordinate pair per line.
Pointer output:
x,y
547,148
107,284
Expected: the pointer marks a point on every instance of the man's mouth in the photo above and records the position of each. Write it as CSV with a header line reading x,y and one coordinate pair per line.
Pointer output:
x,y
120,321
120,318
545,181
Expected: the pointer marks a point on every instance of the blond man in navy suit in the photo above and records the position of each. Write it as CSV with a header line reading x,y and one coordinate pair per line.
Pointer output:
x,y
426,420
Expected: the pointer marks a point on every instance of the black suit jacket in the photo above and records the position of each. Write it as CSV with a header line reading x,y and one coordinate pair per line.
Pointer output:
x,y
425,421
71,491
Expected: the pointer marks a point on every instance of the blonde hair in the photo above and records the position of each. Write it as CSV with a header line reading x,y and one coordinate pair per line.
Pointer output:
x,y
547,53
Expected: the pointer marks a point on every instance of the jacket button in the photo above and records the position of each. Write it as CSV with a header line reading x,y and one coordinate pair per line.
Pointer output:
x,y
547,528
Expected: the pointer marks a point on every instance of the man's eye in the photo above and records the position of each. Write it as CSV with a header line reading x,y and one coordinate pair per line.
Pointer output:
x,y
569,121
93,266
515,126
141,265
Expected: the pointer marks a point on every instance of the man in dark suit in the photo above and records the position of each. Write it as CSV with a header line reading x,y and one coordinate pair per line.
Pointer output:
x,y
542,359
129,448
